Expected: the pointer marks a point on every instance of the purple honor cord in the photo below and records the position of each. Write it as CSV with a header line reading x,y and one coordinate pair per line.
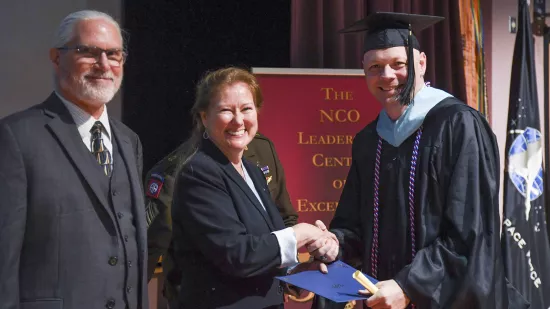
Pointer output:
x,y
412,175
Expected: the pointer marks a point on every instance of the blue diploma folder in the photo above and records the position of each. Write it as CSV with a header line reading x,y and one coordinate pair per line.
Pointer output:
x,y
338,285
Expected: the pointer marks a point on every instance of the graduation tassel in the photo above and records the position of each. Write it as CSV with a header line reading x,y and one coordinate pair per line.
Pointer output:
x,y
406,95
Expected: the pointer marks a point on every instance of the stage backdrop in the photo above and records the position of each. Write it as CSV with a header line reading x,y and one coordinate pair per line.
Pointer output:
x,y
312,116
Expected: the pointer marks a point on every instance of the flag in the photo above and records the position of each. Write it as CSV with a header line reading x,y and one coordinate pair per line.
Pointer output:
x,y
525,245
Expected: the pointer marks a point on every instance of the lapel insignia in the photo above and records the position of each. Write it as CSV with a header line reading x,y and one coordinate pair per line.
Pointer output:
x,y
265,170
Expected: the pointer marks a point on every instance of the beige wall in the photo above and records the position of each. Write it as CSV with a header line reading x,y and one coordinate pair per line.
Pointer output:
x,y
27,33
501,50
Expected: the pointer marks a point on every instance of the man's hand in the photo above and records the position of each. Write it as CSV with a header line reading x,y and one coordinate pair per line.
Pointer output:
x,y
389,296
324,248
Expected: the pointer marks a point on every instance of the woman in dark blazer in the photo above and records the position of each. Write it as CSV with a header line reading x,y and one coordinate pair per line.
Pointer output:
x,y
229,238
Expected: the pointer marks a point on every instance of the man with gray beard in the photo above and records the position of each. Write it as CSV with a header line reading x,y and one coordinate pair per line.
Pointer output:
x,y
72,220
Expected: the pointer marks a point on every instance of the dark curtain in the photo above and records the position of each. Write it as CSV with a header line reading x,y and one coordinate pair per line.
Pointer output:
x,y
173,43
315,43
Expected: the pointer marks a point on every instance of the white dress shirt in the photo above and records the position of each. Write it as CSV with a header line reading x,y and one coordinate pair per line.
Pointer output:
x,y
85,121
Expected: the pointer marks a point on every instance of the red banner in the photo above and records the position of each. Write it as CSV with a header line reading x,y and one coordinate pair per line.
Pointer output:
x,y
312,116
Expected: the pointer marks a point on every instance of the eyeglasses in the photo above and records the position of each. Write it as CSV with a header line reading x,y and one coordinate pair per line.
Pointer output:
x,y
92,54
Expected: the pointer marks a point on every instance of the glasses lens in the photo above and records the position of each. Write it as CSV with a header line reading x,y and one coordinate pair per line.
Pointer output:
x,y
86,51
115,57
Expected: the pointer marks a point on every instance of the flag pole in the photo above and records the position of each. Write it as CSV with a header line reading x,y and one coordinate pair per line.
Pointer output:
x,y
541,29
546,179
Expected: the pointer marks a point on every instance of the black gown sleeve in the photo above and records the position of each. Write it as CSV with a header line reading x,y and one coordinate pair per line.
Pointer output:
x,y
347,226
460,268
347,222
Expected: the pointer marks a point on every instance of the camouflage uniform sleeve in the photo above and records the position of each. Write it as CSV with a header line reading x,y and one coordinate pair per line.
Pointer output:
x,y
158,196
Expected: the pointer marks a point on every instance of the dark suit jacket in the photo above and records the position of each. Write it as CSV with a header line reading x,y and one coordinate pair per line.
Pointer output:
x,y
56,229
222,235
159,189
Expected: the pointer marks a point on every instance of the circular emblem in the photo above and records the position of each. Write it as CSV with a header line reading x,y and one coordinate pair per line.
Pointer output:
x,y
525,164
153,188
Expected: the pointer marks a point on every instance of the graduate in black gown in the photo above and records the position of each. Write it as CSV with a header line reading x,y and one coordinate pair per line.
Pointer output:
x,y
420,209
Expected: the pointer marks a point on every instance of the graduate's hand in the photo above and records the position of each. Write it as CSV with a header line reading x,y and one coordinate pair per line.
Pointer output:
x,y
306,233
326,247
389,296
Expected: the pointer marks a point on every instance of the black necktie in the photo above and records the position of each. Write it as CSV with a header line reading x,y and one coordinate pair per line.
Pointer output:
x,y
101,153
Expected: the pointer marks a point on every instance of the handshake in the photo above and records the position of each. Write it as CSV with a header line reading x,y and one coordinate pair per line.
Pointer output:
x,y
320,243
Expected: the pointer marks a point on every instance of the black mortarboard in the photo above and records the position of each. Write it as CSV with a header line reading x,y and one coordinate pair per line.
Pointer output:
x,y
390,29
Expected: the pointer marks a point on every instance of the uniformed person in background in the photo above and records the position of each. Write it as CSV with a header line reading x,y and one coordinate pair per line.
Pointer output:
x,y
159,188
